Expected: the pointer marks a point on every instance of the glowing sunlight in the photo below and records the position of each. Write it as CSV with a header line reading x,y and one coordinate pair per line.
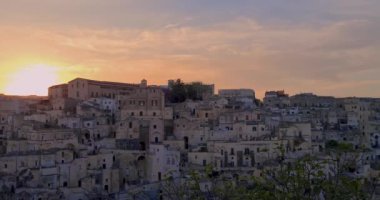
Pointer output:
x,y
32,80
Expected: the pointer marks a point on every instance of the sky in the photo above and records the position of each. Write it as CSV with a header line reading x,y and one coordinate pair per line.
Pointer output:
x,y
328,47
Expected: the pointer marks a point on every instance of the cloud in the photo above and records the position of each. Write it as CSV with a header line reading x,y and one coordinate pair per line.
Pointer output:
x,y
300,47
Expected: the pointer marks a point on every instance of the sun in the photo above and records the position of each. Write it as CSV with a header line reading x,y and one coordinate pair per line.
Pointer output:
x,y
32,80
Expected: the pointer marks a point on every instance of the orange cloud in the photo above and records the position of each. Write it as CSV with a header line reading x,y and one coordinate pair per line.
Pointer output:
x,y
236,53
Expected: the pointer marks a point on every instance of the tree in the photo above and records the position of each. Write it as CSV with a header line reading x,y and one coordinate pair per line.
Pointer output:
x,y
306,178
178,92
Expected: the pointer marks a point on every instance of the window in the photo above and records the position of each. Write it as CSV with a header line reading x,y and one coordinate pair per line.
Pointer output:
x,y
5,166
232,151
141,113
254,128
154,126
154,113
159,176
130,124
246,151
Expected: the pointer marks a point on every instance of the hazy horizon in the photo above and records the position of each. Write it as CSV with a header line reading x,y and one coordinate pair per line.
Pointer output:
x,y
258,96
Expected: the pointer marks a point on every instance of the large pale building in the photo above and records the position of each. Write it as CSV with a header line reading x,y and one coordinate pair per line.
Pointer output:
x,y
237,93
143,102
276,99
83,89
58,91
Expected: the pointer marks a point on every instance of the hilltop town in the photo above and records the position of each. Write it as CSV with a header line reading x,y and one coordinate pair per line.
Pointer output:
x,y
106,140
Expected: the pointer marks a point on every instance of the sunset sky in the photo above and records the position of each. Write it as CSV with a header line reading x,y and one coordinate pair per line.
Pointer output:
x,y
329,47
